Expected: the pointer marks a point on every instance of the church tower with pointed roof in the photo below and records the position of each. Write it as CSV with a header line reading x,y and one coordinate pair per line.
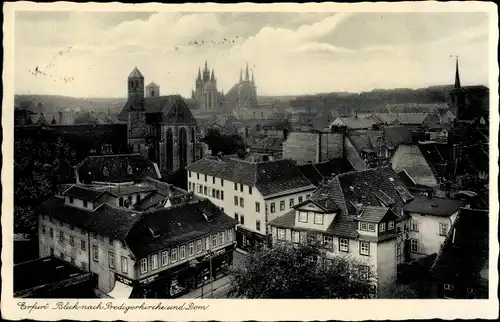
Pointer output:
x,y
205,92
160,128
458,94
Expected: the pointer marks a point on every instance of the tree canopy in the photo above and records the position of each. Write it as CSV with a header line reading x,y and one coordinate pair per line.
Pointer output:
x,y
222,143
301,271
38,163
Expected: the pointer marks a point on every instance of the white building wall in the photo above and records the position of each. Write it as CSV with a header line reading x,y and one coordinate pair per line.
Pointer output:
x,y
249,209
428,234
386,266
66,251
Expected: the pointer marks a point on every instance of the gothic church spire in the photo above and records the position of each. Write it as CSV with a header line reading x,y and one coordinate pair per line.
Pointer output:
x,y
457,76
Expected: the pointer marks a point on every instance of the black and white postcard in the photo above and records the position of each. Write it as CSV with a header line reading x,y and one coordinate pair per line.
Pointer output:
x,y
229,162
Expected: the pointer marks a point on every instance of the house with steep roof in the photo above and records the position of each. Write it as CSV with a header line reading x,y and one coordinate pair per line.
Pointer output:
x,y
136,251
161,128
253,192
461,269
409,158
357,214
430,220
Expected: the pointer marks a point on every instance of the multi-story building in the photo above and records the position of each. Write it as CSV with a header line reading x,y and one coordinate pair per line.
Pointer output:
x,y
155,254
358,214
431,219
253,192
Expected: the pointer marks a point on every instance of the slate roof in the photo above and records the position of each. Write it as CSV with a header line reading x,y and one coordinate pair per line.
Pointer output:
x,y
135,73
433,206
173,108
269,177
93,168
338,191
106,220
82,193
176,225
464,257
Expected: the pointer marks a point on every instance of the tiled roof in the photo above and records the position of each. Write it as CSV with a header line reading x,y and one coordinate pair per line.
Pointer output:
x,y
106,220
173,108
411,159
358,122
269,177
175,225
433,206
82,193
285,221
362,184
311,173
152,200
464,255
396,135
366,140
93,168
373,214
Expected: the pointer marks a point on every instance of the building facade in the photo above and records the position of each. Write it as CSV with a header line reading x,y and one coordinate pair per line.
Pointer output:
x,y
356,214
253,193
133,254
205,92
161,128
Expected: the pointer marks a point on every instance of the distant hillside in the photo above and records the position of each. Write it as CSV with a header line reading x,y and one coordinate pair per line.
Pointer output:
x,y
51,104
377,100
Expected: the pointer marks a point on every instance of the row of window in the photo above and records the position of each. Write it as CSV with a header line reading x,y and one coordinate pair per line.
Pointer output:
x,y
206,178
291,203
71,237
204,190
327,241
173,255
364,226
112,260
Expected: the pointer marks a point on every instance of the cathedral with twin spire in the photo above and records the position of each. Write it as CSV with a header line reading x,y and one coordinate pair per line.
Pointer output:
x,y
241,95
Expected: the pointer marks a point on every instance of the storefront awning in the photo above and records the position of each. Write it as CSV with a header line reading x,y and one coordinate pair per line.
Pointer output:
x,y
121,291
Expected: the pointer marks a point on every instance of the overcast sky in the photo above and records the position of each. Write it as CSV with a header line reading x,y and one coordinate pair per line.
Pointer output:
x,y
291,53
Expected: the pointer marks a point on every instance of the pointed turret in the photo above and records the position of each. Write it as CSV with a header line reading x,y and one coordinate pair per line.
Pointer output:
x,y
206,66
241,75
457,76
253,79
246,74
212,77
199,74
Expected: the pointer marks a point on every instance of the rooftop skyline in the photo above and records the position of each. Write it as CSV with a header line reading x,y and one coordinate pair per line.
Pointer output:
x,y
90,54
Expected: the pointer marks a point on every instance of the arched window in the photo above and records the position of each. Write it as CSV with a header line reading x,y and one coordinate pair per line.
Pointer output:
x,y
182,147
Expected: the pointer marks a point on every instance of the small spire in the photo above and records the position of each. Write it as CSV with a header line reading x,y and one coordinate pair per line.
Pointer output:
x,y
253,79
241,75
212,77
457,76
199,73
206,65
246,74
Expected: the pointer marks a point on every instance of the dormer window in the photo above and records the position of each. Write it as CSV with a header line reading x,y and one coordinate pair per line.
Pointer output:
x,y
129,170
318,219
363,226
302,216
382,227
105,172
